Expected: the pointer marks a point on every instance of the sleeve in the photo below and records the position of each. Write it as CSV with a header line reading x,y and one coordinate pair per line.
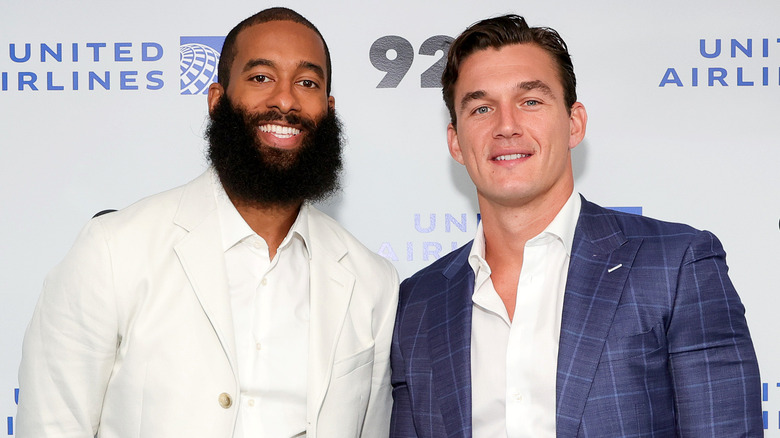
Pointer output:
x,y
713,364
70,345
377,420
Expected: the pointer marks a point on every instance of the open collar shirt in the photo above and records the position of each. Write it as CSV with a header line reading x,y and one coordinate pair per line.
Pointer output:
x,y
270,305
514,363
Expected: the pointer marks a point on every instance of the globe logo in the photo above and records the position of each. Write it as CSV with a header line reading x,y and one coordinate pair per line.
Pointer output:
x,y
198,65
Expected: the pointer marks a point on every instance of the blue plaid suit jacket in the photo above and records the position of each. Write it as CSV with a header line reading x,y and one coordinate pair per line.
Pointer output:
x,y
658,347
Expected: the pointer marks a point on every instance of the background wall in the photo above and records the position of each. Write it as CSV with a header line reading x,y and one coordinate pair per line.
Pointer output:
x,y
682,97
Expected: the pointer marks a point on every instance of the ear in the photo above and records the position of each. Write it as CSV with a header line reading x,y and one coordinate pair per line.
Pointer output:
x,y
453,144
215,93
331,102
577,123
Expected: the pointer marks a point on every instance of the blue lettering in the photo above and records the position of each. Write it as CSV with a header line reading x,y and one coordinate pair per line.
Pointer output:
x,y
764,392
454,246
145,56
740,81
386,251
50,83
748,51
96,50
424,230
695,77
671,77
431,249
717,74
105,82
27,78
75,80
409,251
766,420
75,47
703,50
449,219
765,46
154,77
15,58
127,80
57,55
10,426
121,49
765,76
5,81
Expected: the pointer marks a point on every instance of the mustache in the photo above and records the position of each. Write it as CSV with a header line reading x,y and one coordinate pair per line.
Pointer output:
x,y
305,124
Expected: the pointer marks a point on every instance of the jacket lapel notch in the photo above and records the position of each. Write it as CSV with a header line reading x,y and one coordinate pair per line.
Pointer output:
x,y
597,275
450,348
201,256
331,286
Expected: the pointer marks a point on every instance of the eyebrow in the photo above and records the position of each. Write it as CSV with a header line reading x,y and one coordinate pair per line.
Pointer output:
x,y
474,95
525,85
536,85
316,69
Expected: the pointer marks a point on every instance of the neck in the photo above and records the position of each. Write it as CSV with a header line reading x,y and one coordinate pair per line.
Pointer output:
x,y
271,222
507,228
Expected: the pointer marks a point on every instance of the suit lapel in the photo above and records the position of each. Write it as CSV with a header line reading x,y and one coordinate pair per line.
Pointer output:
x,y
600,262
331,286
201,256
450,345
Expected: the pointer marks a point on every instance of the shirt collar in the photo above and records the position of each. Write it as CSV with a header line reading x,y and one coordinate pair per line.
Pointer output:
x,y
234,228
564,223
562,227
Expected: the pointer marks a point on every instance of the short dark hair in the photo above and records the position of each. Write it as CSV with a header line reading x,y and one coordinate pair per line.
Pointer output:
x,y
504,31
229,50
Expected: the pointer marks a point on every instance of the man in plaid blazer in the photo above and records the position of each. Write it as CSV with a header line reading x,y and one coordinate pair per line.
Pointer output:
x,y
561,318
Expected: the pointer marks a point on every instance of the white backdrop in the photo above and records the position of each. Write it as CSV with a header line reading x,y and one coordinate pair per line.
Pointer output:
x,y
682,99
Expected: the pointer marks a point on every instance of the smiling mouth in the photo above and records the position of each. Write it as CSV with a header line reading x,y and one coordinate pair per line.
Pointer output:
x,y
511,157
280,131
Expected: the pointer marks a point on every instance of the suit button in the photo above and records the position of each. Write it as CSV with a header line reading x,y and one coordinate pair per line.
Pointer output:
x,y
225,401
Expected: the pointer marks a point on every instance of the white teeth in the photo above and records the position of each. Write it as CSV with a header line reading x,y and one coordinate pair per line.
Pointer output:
x,y
511,157
280,131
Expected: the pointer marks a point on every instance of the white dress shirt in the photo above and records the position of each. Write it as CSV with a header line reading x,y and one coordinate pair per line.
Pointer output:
x,y
270,305
514,363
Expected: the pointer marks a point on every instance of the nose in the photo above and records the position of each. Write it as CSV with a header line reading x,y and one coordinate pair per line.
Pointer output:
x,y
508,122
284,98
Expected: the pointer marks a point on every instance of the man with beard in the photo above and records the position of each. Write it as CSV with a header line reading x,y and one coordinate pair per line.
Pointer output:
x,y
229,307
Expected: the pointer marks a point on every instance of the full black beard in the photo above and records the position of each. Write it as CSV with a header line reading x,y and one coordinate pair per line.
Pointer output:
x,y
255,173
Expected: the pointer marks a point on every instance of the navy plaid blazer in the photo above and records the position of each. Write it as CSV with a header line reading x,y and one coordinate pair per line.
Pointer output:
x,y
658,347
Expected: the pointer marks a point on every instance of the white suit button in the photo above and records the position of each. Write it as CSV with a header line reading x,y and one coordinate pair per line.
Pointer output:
x,y
225,401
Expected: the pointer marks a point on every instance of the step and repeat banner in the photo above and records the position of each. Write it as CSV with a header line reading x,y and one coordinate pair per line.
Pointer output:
x,y
102,103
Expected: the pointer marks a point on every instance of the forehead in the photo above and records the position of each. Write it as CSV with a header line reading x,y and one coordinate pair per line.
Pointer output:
x,y
507,65
280,41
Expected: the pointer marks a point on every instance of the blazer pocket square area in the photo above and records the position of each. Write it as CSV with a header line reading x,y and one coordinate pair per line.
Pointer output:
x,y
344,366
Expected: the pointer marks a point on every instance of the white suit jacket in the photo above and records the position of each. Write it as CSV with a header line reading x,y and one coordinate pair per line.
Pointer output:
x,y
133,337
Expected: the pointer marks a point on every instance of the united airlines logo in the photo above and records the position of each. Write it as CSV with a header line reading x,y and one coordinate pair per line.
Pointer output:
x,y
77,66
198,61
728,62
